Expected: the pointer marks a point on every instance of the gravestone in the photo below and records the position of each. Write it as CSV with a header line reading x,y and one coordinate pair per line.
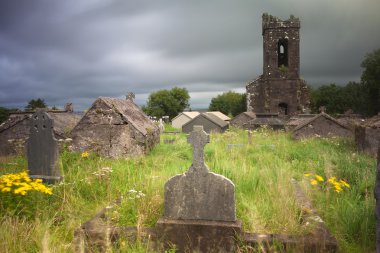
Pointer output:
x,y
198,193
42,148
377,197
249,137
199,208
161,125
232,146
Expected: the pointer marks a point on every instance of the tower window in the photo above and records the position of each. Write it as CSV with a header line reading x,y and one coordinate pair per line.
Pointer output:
x,y
282,50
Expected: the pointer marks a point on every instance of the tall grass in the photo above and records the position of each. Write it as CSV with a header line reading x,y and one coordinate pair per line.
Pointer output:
x,y
261,172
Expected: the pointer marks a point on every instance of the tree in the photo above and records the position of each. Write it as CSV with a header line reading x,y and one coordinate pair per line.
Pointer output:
x,y
4,113
370,80
35,103
230,103
329,96
167,102
338,99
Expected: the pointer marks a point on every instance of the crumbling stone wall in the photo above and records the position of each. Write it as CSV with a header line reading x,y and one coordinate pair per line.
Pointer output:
x,y
279,89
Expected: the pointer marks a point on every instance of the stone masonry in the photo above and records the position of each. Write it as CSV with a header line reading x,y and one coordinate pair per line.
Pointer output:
x,y
279,89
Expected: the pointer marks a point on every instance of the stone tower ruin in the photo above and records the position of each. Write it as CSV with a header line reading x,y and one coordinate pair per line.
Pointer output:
x,y
279,89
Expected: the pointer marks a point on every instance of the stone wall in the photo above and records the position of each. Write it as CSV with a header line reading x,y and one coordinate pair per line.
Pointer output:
x,y
266,94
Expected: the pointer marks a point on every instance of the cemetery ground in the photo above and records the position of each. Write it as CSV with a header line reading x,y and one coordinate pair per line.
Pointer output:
x,y
261,171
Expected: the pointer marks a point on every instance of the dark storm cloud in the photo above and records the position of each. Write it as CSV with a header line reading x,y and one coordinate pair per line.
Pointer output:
x,y
78,50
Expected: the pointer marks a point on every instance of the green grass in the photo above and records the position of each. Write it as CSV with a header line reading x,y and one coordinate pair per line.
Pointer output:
x,y
261,173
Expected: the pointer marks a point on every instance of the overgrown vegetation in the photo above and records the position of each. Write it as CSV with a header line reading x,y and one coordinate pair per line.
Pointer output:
x,y
261,172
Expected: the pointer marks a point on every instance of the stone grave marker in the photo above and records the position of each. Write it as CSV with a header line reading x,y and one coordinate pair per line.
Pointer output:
x,y
200,194
199,206
232,146
42,148
249,137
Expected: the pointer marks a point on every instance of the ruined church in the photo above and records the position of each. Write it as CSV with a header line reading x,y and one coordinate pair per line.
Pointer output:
x,y
279,89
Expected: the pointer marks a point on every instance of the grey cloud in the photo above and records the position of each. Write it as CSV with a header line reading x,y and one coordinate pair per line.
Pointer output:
x,y
76,51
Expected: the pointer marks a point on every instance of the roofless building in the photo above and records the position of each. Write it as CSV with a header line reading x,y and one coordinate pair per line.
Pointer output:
x,y
279,89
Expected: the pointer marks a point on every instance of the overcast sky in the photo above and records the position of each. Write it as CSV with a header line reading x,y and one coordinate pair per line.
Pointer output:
x,y
74,51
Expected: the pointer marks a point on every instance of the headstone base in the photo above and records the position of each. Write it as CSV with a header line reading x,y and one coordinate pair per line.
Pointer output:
x,y
47,179
198,235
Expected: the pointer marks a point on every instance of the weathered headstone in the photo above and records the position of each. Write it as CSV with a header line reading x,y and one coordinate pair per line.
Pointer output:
x,y
161,125
232,146
249,137
42,148
200,194
377,197
199,208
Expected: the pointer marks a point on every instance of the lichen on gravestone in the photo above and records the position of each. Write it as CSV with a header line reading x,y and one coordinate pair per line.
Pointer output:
x,y
199,194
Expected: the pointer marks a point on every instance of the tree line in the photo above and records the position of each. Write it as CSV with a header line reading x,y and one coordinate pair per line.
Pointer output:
x,y
361,98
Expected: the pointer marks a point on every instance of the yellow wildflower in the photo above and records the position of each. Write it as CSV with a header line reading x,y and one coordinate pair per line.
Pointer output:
x,y
319,178
338,188
307,174
85,154
313,182
20,183
6,189
344,183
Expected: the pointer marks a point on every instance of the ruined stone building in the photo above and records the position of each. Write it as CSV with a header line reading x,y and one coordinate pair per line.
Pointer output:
x,y
209,121
14,132
321,125
115,128
242,118
279,89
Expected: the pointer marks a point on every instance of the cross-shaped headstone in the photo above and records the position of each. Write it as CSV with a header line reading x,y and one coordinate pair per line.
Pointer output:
x,y
198,138
199,194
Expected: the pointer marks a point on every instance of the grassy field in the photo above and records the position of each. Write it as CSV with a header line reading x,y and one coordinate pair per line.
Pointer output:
x,y
261,171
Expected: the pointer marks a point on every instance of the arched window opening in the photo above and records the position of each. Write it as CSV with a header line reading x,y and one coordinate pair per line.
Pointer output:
x,y
283,108
282,51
